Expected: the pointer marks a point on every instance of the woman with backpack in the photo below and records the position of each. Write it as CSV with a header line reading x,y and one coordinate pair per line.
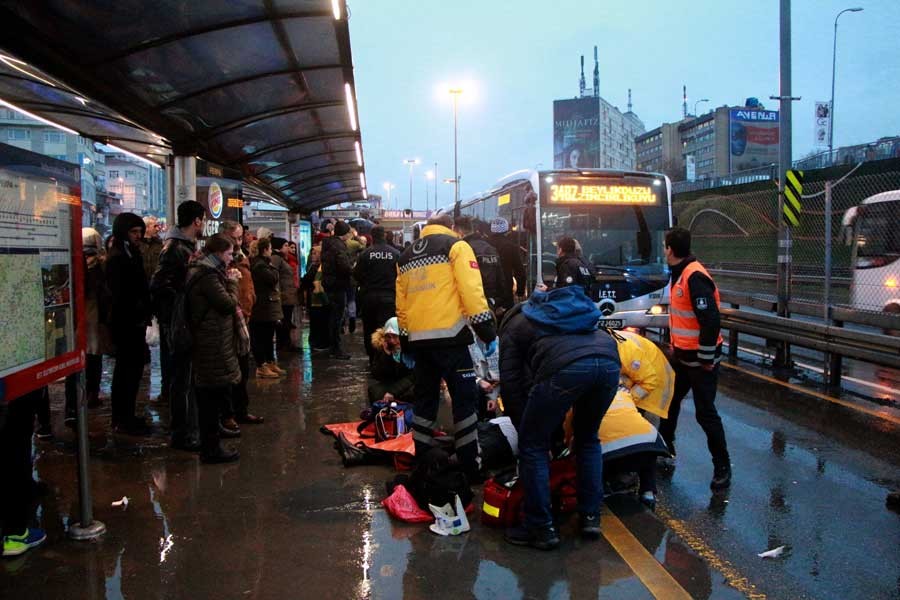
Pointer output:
x,y
212,299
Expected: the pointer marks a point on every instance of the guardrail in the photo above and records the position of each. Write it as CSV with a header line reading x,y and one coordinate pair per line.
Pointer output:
x,y
831,338
760,276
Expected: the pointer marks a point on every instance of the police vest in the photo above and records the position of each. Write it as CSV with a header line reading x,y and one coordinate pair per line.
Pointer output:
x,y
683,325
489,264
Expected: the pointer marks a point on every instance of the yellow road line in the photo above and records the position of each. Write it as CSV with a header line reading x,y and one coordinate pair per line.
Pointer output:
x,y
652,574
802,390
732,576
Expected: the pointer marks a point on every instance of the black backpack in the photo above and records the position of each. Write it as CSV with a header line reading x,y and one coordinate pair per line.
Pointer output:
x,y
179,337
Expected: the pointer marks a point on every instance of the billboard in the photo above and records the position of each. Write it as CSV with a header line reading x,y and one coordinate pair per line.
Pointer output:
x,y
753,138
576,133
219,190
41,271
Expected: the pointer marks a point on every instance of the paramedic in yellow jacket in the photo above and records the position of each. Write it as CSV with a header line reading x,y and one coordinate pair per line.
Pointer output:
x,y
439,296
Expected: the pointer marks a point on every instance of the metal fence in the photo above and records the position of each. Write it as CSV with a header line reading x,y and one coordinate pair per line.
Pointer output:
x,y
735,234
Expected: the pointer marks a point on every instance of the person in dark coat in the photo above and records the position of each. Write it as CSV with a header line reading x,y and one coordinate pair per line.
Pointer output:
x,y
267,311
281,259
213,301
392,379
488,261
511,260
165,287
337,269
571,268
376,274
129,316
317,299
553,357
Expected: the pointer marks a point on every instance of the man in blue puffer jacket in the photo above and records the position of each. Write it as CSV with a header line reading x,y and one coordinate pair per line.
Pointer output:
x,y
553,357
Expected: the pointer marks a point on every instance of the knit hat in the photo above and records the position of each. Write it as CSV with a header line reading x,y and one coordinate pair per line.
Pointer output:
x,y
499,225
341,228
392,325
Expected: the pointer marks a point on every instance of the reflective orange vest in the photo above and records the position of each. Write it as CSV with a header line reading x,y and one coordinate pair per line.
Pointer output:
x,y
683,325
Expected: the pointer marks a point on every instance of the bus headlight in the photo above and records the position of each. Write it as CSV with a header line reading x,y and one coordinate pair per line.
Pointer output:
x,y
891,282
659,309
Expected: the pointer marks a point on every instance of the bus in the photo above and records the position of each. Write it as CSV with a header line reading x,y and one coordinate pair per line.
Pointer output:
x,y
618,217
873,230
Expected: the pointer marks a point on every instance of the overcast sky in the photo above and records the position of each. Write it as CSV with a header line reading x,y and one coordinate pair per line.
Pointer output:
x,y
520,55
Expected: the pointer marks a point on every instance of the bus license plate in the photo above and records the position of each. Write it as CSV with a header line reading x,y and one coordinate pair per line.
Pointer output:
x,y
612,323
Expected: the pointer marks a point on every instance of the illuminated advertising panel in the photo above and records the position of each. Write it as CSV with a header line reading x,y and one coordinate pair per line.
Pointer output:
x,y
576,133
753,140
41,271
220,191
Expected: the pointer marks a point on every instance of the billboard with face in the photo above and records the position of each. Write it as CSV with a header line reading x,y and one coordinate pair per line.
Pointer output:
x,y
753,138
576,133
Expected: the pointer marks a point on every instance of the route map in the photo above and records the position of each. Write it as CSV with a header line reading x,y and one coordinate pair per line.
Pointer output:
x,y
22,317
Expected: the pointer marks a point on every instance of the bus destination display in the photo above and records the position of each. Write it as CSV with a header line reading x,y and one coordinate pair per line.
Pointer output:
x,y
597,193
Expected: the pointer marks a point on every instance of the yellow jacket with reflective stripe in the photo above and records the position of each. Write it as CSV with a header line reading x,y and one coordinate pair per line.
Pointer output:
x,y
646,372
439,292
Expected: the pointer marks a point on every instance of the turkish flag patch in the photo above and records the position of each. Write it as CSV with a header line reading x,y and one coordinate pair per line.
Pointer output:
x,y
473,264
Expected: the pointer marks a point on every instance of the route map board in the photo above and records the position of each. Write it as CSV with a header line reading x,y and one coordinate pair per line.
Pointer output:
x,y
41,274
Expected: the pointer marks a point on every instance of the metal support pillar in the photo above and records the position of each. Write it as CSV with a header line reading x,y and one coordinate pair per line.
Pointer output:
x,y
87,528
826,294
733,340
783,349
184,179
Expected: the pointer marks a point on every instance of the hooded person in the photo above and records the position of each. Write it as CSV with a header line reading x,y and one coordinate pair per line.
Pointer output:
x,y
553,357
392,377
130,313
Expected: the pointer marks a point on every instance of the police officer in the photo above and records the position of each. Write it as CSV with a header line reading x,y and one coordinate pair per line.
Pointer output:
x,y
376,274
487,257
572,269
694,324
439,297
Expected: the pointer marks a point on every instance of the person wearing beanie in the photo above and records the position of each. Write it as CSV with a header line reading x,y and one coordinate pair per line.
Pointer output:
x,y
512,263
336,272
391,378
129,317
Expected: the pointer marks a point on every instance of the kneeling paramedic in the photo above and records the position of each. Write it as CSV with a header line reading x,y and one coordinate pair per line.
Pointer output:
x,y
439,296
553,357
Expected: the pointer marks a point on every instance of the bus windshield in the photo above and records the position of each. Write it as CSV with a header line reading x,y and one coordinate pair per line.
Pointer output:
x,y
625,237
877,237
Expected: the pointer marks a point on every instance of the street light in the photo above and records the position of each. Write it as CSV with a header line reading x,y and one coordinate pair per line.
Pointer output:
x,y
455,92
411,162
698,102
833,64
389,187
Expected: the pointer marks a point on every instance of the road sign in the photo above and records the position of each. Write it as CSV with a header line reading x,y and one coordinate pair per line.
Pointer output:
x,y
793,194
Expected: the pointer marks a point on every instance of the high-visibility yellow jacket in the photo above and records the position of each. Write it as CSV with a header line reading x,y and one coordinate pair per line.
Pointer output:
x,y
439,292
646,372
624,430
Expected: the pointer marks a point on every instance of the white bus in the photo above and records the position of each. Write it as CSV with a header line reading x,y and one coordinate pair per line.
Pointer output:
x,y
873,228
618,217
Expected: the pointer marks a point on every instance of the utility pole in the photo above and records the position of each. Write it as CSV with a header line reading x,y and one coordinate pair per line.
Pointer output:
x,y
783,349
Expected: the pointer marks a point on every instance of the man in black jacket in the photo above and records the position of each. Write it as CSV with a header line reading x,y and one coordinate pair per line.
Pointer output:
x,y
167,282
376,274
488,260
511,261
553,358
572,269
336,273
129,317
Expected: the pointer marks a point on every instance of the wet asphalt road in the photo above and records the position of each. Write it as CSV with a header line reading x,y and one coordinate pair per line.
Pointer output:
x,y
288,521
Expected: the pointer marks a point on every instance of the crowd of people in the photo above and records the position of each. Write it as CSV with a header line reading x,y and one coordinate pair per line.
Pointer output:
x,y
433,313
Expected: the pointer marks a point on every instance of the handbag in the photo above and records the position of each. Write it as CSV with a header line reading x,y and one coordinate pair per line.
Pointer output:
x,y
241,333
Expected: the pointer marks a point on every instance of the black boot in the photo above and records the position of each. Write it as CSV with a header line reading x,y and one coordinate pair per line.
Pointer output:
x,y
211,450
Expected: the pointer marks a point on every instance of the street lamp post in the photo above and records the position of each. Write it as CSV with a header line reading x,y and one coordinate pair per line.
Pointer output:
x,y
833,65
698,102
411,162
455,92
429,176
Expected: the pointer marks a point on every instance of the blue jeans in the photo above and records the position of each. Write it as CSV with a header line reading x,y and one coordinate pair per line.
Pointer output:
x,y
589,385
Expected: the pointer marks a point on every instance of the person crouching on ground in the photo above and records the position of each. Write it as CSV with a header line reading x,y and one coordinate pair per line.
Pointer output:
x,y
212,304
392,378
553,357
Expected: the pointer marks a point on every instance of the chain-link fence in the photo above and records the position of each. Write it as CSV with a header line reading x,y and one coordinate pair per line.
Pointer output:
x,y
735,233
